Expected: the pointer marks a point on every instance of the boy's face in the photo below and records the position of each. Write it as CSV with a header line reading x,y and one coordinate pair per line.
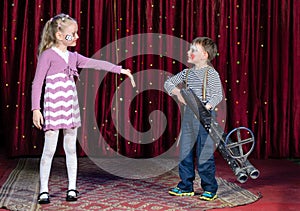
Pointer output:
x,y
196,54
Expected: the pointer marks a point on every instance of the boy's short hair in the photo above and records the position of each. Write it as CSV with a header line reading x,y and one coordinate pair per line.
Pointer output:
x,y
209,46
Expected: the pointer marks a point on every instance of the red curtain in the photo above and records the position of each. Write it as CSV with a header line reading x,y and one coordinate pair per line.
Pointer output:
x,y
258,43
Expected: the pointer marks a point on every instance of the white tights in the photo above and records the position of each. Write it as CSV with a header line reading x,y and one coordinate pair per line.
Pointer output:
x,y
51,138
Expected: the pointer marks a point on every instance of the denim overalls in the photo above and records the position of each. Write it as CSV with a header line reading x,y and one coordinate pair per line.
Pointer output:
x,y
195,140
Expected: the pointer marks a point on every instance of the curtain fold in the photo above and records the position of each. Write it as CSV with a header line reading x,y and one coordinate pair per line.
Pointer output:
x,y
258,62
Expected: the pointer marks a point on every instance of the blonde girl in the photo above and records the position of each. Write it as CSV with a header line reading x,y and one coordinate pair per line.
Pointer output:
x,y
57,68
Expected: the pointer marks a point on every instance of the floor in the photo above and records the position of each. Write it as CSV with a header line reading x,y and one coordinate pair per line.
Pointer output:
x,y
278,184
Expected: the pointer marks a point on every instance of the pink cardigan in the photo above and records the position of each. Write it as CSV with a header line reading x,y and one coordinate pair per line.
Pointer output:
x,y
50,63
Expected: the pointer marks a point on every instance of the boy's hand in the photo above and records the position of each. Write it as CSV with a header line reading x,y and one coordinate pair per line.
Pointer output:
x,y
208,106
38,119
128,73
181,99
176,92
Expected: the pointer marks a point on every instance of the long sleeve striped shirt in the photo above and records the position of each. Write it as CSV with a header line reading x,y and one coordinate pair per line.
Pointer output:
x,y
195,81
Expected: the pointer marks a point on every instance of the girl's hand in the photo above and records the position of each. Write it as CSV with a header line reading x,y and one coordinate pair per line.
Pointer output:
x,y
128,73
38,119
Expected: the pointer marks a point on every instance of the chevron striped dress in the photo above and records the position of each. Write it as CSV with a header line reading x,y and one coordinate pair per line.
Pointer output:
x,y
61,109
57,71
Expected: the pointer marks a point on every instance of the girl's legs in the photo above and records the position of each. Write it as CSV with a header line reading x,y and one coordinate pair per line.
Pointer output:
x,y
51,138
70,136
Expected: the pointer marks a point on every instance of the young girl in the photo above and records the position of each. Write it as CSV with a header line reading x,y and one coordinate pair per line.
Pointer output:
x,y
57,67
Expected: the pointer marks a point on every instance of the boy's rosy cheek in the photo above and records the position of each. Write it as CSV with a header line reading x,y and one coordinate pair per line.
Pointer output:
x,y
192,56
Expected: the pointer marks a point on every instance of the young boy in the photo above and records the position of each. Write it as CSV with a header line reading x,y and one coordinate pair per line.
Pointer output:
x,y
194,138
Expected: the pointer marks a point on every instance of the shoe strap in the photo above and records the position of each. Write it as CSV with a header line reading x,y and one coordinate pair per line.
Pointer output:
x,y
207,194
73,191
43,193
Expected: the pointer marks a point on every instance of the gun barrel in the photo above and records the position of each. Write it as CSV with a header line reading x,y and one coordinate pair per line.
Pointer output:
x,y
251,170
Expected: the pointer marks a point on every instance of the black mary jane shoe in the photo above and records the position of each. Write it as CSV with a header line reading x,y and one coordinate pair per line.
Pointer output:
x,y
43,200
72,198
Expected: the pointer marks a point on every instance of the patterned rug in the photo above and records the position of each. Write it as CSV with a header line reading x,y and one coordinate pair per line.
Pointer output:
x,y
102,191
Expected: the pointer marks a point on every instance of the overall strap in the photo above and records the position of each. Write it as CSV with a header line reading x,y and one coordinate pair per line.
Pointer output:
x,y
204,86
186,78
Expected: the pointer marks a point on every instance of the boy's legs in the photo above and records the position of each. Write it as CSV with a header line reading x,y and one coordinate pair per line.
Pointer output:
x,y
187,142
187,172
206,164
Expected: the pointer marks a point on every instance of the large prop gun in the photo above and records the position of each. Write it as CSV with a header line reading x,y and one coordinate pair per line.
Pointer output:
x,y
229,145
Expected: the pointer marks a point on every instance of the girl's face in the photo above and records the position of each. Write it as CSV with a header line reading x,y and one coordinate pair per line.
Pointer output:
x,y
196,54
69,36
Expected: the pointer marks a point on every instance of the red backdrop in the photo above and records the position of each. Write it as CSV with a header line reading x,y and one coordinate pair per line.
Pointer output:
x,y
258,62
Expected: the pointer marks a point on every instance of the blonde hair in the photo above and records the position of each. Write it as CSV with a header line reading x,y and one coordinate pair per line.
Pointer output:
x,y
55,24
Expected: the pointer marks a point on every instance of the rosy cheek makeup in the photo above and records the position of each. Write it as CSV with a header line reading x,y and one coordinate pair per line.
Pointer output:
x,y
192,56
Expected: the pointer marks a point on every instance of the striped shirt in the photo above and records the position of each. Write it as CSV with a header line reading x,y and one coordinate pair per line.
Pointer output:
x,y
195,80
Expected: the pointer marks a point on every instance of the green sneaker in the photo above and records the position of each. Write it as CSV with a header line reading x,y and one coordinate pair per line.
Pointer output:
x,y
208,196
178,192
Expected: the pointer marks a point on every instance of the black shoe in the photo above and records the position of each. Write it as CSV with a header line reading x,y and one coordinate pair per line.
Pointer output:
x,y
44,200
71,198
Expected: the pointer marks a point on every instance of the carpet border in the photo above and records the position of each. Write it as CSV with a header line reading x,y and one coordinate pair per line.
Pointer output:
x,y
9,187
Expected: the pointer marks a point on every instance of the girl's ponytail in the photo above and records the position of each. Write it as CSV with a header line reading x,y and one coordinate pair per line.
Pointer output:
x,y
48,38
